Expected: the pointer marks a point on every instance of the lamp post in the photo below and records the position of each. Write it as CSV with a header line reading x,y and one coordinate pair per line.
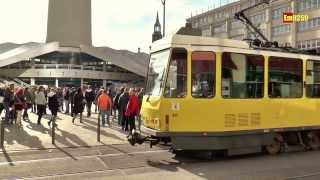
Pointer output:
x,y
164,16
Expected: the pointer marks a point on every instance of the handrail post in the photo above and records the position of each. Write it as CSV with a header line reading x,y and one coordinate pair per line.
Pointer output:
x,y
99,126
2,133
53,131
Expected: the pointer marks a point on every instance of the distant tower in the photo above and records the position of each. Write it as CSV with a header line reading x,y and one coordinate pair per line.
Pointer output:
x,y
69,22
156,35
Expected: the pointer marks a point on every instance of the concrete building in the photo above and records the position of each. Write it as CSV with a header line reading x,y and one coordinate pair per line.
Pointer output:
x,y
68,57
220,22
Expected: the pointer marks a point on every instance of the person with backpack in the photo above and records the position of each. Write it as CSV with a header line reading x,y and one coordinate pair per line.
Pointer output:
x,y
104,104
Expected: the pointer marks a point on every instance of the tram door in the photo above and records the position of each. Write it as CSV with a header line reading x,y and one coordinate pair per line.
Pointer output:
x,y
175,90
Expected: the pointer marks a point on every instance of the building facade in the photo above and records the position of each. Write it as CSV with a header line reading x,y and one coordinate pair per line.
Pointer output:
x,y
220,22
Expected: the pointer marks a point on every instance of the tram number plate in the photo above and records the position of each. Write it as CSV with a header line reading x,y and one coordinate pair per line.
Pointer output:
x,y
175,106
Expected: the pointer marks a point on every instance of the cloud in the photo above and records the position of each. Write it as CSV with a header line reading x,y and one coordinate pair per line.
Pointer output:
x,y
129,24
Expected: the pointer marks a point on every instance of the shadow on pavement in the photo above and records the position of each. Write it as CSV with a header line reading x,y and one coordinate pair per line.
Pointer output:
x,y
65,152
6,155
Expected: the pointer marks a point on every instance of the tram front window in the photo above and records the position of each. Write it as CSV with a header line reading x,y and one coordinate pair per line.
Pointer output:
x,y
157,66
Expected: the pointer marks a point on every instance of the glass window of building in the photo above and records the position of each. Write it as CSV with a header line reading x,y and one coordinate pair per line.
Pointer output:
x,y
310,24
203,74
304,5
258,18
285,77
313,79
176,84
220,29
278,11
242,76
206,32
281,29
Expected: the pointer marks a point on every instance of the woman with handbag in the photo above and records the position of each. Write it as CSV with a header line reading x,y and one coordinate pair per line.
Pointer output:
x,y
79,103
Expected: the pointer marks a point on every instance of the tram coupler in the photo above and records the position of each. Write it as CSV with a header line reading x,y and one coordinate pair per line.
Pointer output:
x,y
137,138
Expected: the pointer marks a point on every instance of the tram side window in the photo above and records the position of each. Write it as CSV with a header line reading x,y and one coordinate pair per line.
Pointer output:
x,y
313,79
176,84
285,77
242,76
203,74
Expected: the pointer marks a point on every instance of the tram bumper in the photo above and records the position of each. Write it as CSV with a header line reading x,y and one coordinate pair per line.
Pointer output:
x,y
146,135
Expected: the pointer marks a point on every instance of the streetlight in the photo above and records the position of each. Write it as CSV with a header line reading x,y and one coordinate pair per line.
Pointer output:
x,y
164,16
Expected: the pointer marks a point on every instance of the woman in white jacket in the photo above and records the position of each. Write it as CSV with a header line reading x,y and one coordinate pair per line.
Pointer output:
x,y
41,102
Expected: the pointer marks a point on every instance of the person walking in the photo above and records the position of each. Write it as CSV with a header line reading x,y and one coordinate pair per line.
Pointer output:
x,y
2,91
116,104
72,92
28,97
132,110
104,104
66,97
123,102
33,96
53,104
140,98
90,97
19,105
8,102
41,102
79,103
59,94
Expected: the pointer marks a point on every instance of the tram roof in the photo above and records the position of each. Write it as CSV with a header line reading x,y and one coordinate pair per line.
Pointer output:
x,y
178,40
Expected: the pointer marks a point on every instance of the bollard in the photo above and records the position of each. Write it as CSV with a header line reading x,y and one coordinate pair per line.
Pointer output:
x,y
1,133
53,131
98,129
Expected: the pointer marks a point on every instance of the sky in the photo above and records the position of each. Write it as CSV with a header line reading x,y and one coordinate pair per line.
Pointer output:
x,y
119,24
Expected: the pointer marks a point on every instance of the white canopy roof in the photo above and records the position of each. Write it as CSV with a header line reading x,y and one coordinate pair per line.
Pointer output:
x,y
135,62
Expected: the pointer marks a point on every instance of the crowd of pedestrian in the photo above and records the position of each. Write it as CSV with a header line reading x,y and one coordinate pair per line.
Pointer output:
x,y
123,104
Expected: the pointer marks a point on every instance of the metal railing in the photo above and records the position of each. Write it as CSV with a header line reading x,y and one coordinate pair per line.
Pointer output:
x,y
108,68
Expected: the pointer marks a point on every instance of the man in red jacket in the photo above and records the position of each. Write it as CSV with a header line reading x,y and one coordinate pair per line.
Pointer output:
x,y
132,110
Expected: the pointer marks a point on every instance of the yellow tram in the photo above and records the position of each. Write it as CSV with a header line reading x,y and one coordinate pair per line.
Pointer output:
x,y
206,93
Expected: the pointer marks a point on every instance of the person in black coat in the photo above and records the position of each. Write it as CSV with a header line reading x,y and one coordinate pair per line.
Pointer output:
x,y
116,104
123,102
79,103
53,106
90,97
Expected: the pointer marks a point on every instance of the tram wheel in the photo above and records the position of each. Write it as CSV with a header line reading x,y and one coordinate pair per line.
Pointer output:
x,y
276,146
313,140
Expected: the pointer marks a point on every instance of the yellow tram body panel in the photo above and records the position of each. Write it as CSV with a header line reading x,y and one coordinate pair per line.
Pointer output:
x,y
217,114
